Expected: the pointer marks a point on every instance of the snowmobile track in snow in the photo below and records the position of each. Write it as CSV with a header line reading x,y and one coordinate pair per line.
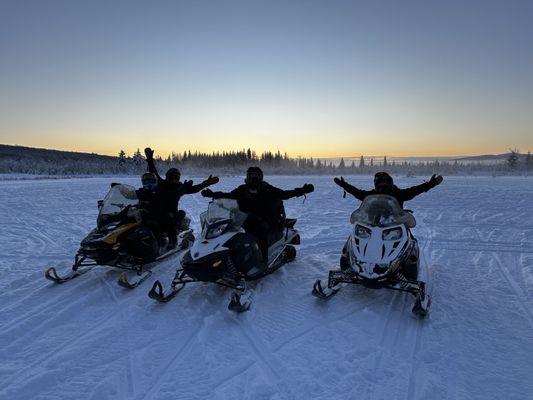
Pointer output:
x,y
90,339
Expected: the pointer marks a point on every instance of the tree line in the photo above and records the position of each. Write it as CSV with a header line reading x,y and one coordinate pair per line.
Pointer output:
x,y
25,160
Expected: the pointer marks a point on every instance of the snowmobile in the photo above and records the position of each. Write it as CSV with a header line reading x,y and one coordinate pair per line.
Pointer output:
x,y
228,256
380,252
122,241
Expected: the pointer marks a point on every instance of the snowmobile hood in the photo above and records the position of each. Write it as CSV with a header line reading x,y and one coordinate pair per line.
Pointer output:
x,y
376,245
207,247
114,235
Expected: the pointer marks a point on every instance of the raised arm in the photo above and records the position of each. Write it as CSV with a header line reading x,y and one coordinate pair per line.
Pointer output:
x,y
289,194
413,191
189,188
355,192
235,194
149,153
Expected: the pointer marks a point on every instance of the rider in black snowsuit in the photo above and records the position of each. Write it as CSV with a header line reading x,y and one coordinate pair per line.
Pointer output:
x,y
384,184
169,192
150,205
263,203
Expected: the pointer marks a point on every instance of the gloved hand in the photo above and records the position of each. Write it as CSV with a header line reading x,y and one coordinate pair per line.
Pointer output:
x,y
211,180
188,183
308,188
207,193
149,153
436,180
341,182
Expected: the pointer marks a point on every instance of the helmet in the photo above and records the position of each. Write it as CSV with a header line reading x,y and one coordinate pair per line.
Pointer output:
x,y
149,181
173,175
254,177
383,182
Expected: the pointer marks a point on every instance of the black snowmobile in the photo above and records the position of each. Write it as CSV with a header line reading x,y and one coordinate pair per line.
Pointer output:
x,y
122,241
227,256
381,252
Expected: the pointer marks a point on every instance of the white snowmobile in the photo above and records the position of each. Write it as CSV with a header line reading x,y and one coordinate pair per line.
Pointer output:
x,y
381,252
228,256
122,241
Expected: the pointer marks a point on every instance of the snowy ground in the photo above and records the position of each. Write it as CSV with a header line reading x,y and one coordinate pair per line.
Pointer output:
x,y
91,339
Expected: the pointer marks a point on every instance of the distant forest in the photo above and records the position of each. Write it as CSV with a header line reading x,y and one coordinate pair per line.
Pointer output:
x,y
32,161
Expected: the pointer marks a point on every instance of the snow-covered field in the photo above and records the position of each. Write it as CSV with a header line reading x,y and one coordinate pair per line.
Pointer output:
x,y
91,339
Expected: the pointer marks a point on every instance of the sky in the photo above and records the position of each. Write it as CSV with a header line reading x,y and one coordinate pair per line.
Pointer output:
x,y
310,78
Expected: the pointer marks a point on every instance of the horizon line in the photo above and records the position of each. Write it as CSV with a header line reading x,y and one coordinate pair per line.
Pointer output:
x,y
457,156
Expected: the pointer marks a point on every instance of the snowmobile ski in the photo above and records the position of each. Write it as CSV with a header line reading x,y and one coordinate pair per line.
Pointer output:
x,y
124,281
240,302
144,273
324,293
157,293
52,275
422,302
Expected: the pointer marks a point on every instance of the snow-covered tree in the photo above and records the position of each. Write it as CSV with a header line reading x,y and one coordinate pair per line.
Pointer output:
x,y
362,162
512,158
137,157
121,158
341,164
529,161
385,163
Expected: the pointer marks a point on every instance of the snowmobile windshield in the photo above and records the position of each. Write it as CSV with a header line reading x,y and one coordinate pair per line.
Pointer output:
x,y
382,210
223,210
117,199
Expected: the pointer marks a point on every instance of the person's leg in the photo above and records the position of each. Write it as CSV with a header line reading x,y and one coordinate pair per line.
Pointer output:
x,y
155,227
259,228
169,226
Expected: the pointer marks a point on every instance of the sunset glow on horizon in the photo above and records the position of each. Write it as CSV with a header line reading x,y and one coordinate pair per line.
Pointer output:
x,y
313,78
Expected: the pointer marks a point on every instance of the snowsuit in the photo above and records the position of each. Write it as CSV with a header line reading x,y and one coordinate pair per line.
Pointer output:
x,y
169,195
402,195
266,214
150,211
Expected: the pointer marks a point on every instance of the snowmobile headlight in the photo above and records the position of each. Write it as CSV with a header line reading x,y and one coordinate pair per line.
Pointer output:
x,y
362,232
392,234
215,231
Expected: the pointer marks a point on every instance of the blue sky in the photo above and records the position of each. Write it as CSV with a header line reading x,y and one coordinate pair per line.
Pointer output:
x,y
317,78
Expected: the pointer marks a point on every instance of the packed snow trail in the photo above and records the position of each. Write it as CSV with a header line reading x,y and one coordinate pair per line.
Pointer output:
x,y
91,339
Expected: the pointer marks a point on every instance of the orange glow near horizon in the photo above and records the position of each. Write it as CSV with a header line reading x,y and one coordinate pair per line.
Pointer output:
x,y
164,148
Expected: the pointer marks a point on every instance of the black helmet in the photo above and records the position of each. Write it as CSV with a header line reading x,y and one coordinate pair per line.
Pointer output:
x,y
149,181
254,177
383,182
173,175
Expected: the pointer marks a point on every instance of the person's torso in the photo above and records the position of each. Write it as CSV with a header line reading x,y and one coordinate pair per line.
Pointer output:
x,y
261,203
170,194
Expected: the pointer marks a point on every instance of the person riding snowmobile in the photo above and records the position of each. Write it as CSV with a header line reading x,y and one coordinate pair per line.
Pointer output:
x,y
169,192
263,203
384,184
150,205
